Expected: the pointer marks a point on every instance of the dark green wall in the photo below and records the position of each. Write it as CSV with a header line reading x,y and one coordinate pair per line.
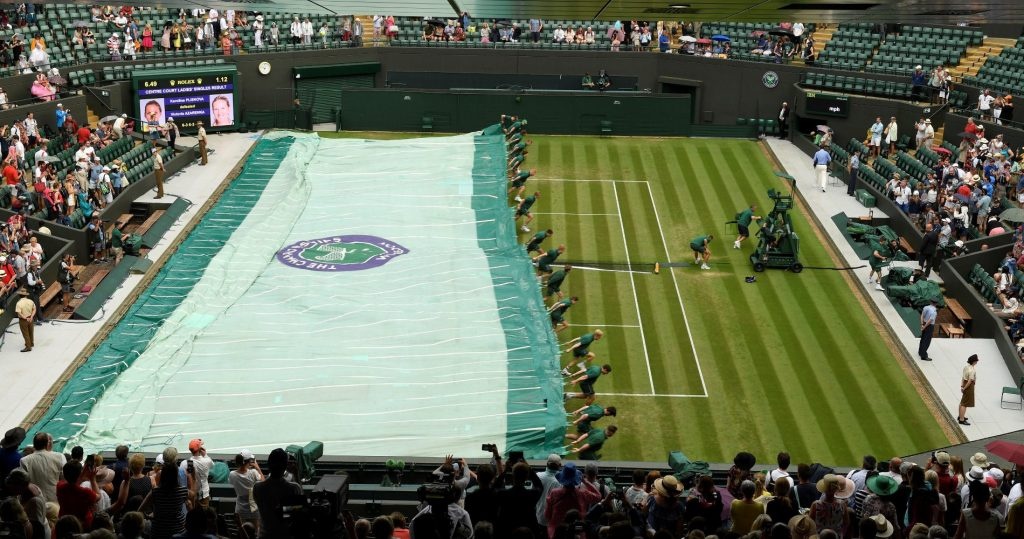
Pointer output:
x,y
558,113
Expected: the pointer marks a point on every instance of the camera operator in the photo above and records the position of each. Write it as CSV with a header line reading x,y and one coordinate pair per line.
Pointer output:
x,y
456,472
441,517
270,495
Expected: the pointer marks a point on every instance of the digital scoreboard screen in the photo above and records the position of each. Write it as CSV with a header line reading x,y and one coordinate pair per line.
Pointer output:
x,y
828,104
188,96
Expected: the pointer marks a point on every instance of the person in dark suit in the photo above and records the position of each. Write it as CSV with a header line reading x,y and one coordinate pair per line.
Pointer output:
x,y
784,121
929,246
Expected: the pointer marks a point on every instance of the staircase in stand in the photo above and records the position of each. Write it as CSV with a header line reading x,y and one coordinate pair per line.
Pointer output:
x,y
976,56
94,120
368,39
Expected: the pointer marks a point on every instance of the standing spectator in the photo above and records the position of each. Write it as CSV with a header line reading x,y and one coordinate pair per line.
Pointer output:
x,y
517,506
257,31
921,134
572,494
129,48
482,504
830,512
271,493
918,80
705,502
199,466
147,38
171,129
968,380
26,310
926,256
44,465
784,121
663,41
118,126
891,135
821,161
853,169
61,115
978,521
275,34
74,499
10,454
876,130
357,32
536,27
663,507
548,480
295,30
307,32
985,100
243,479
745,509
31,500
169,501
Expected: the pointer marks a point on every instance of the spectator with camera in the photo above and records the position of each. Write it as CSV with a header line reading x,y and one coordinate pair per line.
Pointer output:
x,y
199,467
517,506
243,479
77,500
482,503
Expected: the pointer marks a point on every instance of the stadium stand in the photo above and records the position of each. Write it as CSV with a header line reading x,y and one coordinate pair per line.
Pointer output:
x,y
1004,73
925,46
849,48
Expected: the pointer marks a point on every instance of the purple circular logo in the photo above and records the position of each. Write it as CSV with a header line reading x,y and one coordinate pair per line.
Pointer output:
x,y
340,253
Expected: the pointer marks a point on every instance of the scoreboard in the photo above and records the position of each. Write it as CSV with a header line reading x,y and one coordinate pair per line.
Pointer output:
x,y
188,96
827,104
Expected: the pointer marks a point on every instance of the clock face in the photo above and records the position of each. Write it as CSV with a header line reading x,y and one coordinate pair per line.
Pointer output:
x,y
264,68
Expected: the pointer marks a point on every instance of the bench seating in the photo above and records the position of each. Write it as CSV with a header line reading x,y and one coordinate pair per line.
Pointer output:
x,y
49,294
92,283
149,222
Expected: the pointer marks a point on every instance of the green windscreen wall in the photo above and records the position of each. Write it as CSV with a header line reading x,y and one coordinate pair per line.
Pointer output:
x,y
584,113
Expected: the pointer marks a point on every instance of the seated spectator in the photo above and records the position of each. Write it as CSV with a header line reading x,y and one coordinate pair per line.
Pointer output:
x,y
570,35
42,90
588,82
5,102
559,35
39,58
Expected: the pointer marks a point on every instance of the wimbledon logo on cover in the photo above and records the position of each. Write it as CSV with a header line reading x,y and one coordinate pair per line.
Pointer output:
x,y
340,253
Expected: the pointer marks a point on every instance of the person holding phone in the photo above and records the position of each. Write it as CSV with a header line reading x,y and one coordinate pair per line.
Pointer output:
x,y
243,478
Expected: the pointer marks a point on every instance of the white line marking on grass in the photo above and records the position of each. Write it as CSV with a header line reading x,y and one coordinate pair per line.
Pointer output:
x,y
632,283
668,258
651,395
584,180
570,213
600,325
590,268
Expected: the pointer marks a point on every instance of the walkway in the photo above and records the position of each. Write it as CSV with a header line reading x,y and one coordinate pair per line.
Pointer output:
x,y
29,376
950,355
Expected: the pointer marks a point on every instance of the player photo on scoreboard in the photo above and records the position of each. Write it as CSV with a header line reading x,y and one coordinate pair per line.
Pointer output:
x,y
222,111
152,110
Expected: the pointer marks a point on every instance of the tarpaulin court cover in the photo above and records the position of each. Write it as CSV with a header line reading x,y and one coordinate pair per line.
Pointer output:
x,y
367,294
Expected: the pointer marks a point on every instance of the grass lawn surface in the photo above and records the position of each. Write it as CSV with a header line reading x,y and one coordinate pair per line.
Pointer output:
x,y
791,362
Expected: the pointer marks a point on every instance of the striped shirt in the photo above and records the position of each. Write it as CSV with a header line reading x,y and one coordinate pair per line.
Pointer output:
x,y
168,511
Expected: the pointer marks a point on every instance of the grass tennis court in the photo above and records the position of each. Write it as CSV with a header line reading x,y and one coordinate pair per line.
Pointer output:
x,y
791,362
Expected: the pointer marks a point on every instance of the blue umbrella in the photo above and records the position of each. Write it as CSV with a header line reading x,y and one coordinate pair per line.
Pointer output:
x,y
720,37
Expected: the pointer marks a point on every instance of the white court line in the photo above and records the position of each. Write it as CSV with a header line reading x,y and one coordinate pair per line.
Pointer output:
x,y
595,180
570,213
651,395
686,321
599,325
632,283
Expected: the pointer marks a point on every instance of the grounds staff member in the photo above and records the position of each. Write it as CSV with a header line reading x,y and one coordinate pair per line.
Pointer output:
x,y
201,136
26,310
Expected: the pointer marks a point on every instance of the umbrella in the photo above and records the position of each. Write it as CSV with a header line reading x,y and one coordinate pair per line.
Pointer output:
x,y
437,22
757,33
52,159
1012,215
1008,450
943,151
81,24
688,39
968,135
823,128
704,41
781,32
110,118
720,37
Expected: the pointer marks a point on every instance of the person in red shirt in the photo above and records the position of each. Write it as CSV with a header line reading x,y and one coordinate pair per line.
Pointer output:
x,y
11,174
83,134
971,127
75,499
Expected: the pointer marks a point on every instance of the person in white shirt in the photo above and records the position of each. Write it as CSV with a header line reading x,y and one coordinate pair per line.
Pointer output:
x,y
31,128
548,481
44,466
41,155
559,35
985,100
307,32
257,31
119,126
903,196
200,465
783,459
